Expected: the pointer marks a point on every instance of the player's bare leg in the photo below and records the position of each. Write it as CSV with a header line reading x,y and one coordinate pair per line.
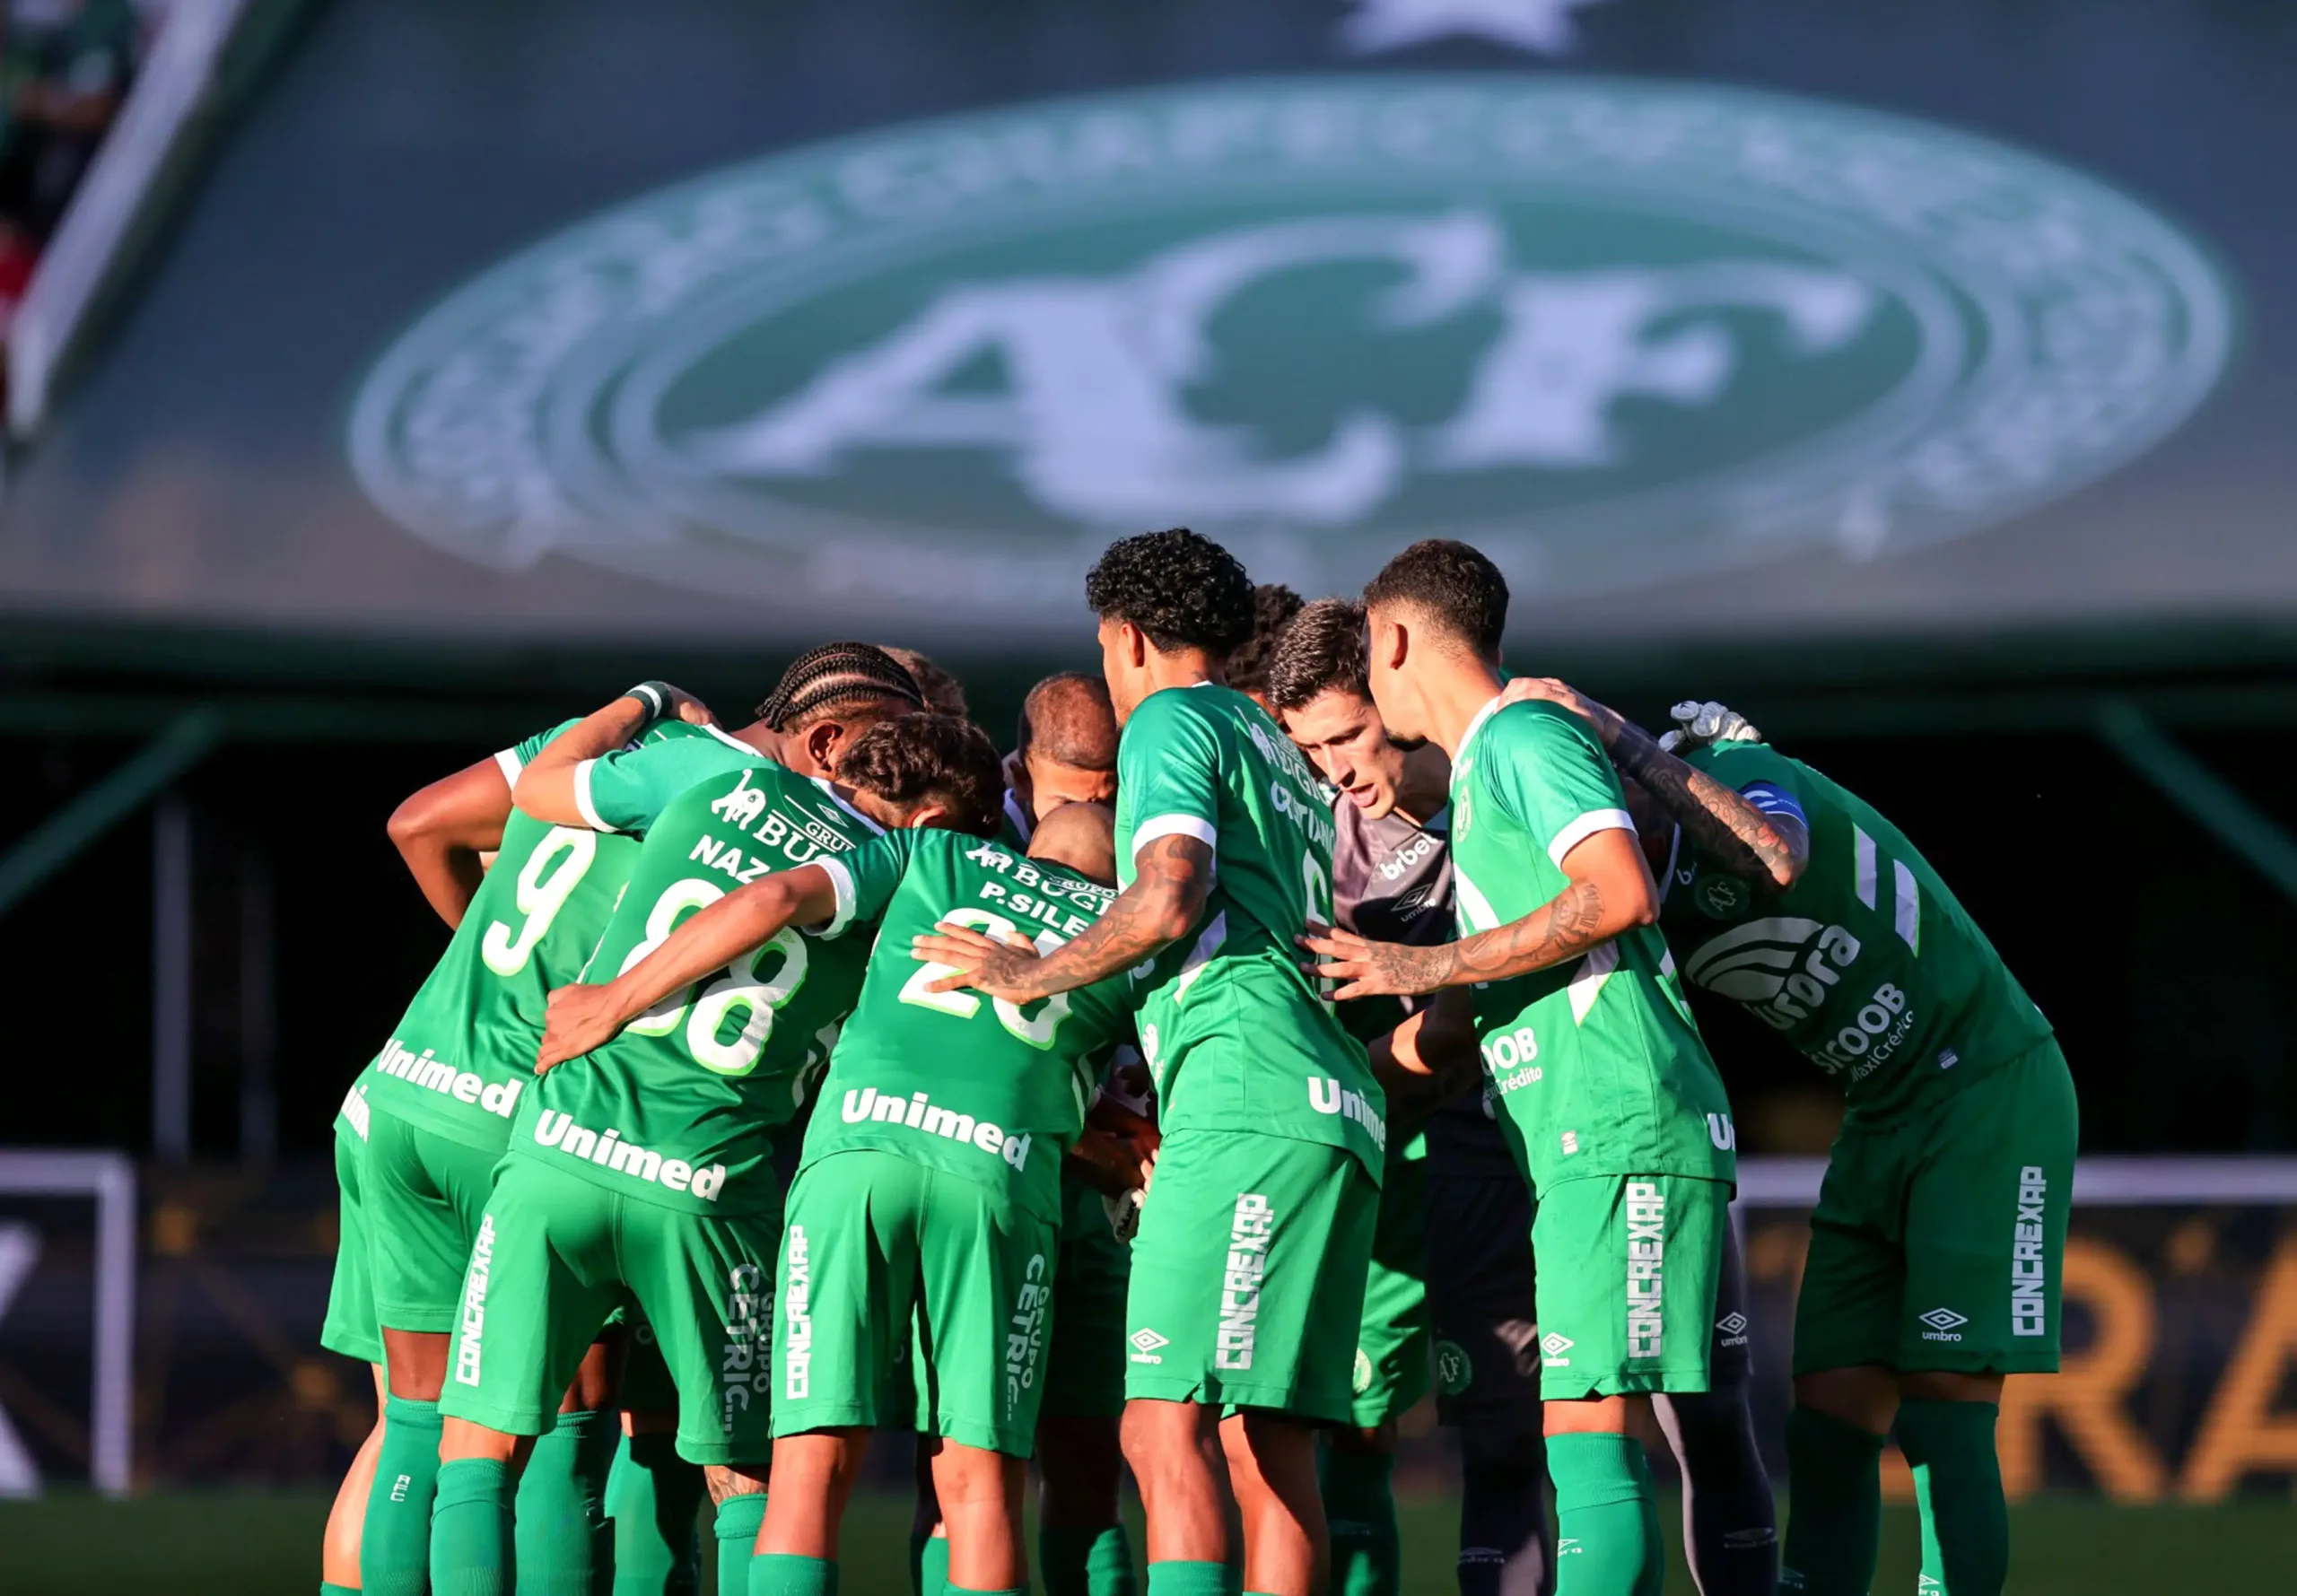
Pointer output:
x,y
1607,1515
1272,1468
1174,1452
813,1480
929,1537
980,1494
345,1521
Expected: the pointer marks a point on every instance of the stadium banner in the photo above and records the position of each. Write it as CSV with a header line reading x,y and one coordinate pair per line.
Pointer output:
x,y
1716,326
2180,1380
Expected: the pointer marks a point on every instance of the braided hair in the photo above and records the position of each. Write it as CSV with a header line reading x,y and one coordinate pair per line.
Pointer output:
x,y
835,677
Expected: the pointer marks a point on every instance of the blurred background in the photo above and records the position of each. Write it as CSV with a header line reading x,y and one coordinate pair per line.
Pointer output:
x,y
387,378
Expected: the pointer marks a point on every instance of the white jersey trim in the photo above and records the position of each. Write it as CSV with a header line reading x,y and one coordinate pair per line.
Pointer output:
x,y
841,885
1586,826
582,799
831,793
508,762
1174,826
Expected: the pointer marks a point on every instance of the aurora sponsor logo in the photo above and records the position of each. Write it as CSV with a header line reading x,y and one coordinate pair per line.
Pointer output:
x,y
557,1131
472,1325
2030,1264
1249,1229
1786,969
920,1114
1611,331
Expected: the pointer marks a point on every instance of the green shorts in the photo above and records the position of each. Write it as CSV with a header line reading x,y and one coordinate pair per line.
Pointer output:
x,y
1084,1367
424,1194
351,1326
1392,1347
878,1248
1628,1269
555,1255
1252,1249
1940,1238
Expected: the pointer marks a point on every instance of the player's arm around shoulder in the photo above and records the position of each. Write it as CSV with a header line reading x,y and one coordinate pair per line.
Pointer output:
x,y
441,830
582,1017
549,788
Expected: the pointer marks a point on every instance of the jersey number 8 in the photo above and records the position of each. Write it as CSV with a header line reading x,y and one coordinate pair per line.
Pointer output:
x,y
739,988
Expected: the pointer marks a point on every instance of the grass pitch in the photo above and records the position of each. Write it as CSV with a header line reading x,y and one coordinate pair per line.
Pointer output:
x,y
259,1544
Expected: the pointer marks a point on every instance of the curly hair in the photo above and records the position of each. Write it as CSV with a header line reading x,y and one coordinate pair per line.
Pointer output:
x,y
835,676
1274,605
1452,584
1183,591
930,758
1322,651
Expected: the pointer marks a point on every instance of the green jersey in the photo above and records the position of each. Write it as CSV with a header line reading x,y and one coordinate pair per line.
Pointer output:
x,y
1596,1063
982,1088
464,1051
679,1109
624,790
1208,763
1868,965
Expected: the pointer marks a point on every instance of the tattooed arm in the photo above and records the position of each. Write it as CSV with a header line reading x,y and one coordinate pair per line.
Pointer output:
x,y
1173,876
1766,850
1610,891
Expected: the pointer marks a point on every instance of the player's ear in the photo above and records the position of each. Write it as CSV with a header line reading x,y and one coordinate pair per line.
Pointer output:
x,y
927,814
825,740
1136,645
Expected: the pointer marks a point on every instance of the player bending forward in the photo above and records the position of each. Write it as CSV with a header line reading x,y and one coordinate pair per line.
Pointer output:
x,y
641,1173
1938,1241
1613,1109
1255,1235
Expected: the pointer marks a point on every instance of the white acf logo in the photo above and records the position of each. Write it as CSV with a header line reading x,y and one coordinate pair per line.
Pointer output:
x,y
1095,419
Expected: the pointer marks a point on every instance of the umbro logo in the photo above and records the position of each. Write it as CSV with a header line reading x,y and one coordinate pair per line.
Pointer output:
x,y
1145,1342
1734,1327
1554,1344
1944,1324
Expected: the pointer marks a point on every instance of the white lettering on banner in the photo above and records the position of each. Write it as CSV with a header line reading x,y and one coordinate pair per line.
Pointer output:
x,y
1025,1333
436,1074
1249,1230
1646,1256
920,1114
2030,1261
474,1318
1327,1096
797,1318
557,1130
745,1367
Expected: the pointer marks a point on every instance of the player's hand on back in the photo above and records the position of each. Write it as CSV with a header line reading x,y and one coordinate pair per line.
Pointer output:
x,y
578,1019
1700,722
1606,721
684,706
976,961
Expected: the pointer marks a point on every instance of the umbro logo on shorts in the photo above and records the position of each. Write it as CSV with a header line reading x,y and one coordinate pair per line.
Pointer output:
x,y
1734,1327
1552,1346
1145,1342
1945,1324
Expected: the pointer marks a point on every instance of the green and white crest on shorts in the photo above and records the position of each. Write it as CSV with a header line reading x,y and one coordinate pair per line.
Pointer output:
x,y
1606,328
1454,1370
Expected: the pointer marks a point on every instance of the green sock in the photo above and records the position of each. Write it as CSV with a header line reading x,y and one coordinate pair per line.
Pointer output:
x,y
1085,1562
735,1524
933,1565
1834,1516
561,1539
1654,1572
395,1536
653,1495
1360,1505
775,1573
328,1589
470,1530
1188,1579
919,1537
1965,1521
1605,1538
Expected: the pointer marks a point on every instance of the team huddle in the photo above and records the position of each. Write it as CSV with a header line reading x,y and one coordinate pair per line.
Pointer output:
x,y
1293,1019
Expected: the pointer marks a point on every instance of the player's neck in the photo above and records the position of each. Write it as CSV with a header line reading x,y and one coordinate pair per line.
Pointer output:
x,y
1182,668
1453,691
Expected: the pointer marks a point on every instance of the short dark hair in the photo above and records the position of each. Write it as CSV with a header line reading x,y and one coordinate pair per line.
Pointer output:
x,y
836,676
1182,590
1273,607
942,691
1322,651
1069,715
929,757
1451,582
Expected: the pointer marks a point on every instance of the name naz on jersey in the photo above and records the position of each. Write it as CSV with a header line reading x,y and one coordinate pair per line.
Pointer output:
x,y
556,1130
424,1069
920,1114
2028,1268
